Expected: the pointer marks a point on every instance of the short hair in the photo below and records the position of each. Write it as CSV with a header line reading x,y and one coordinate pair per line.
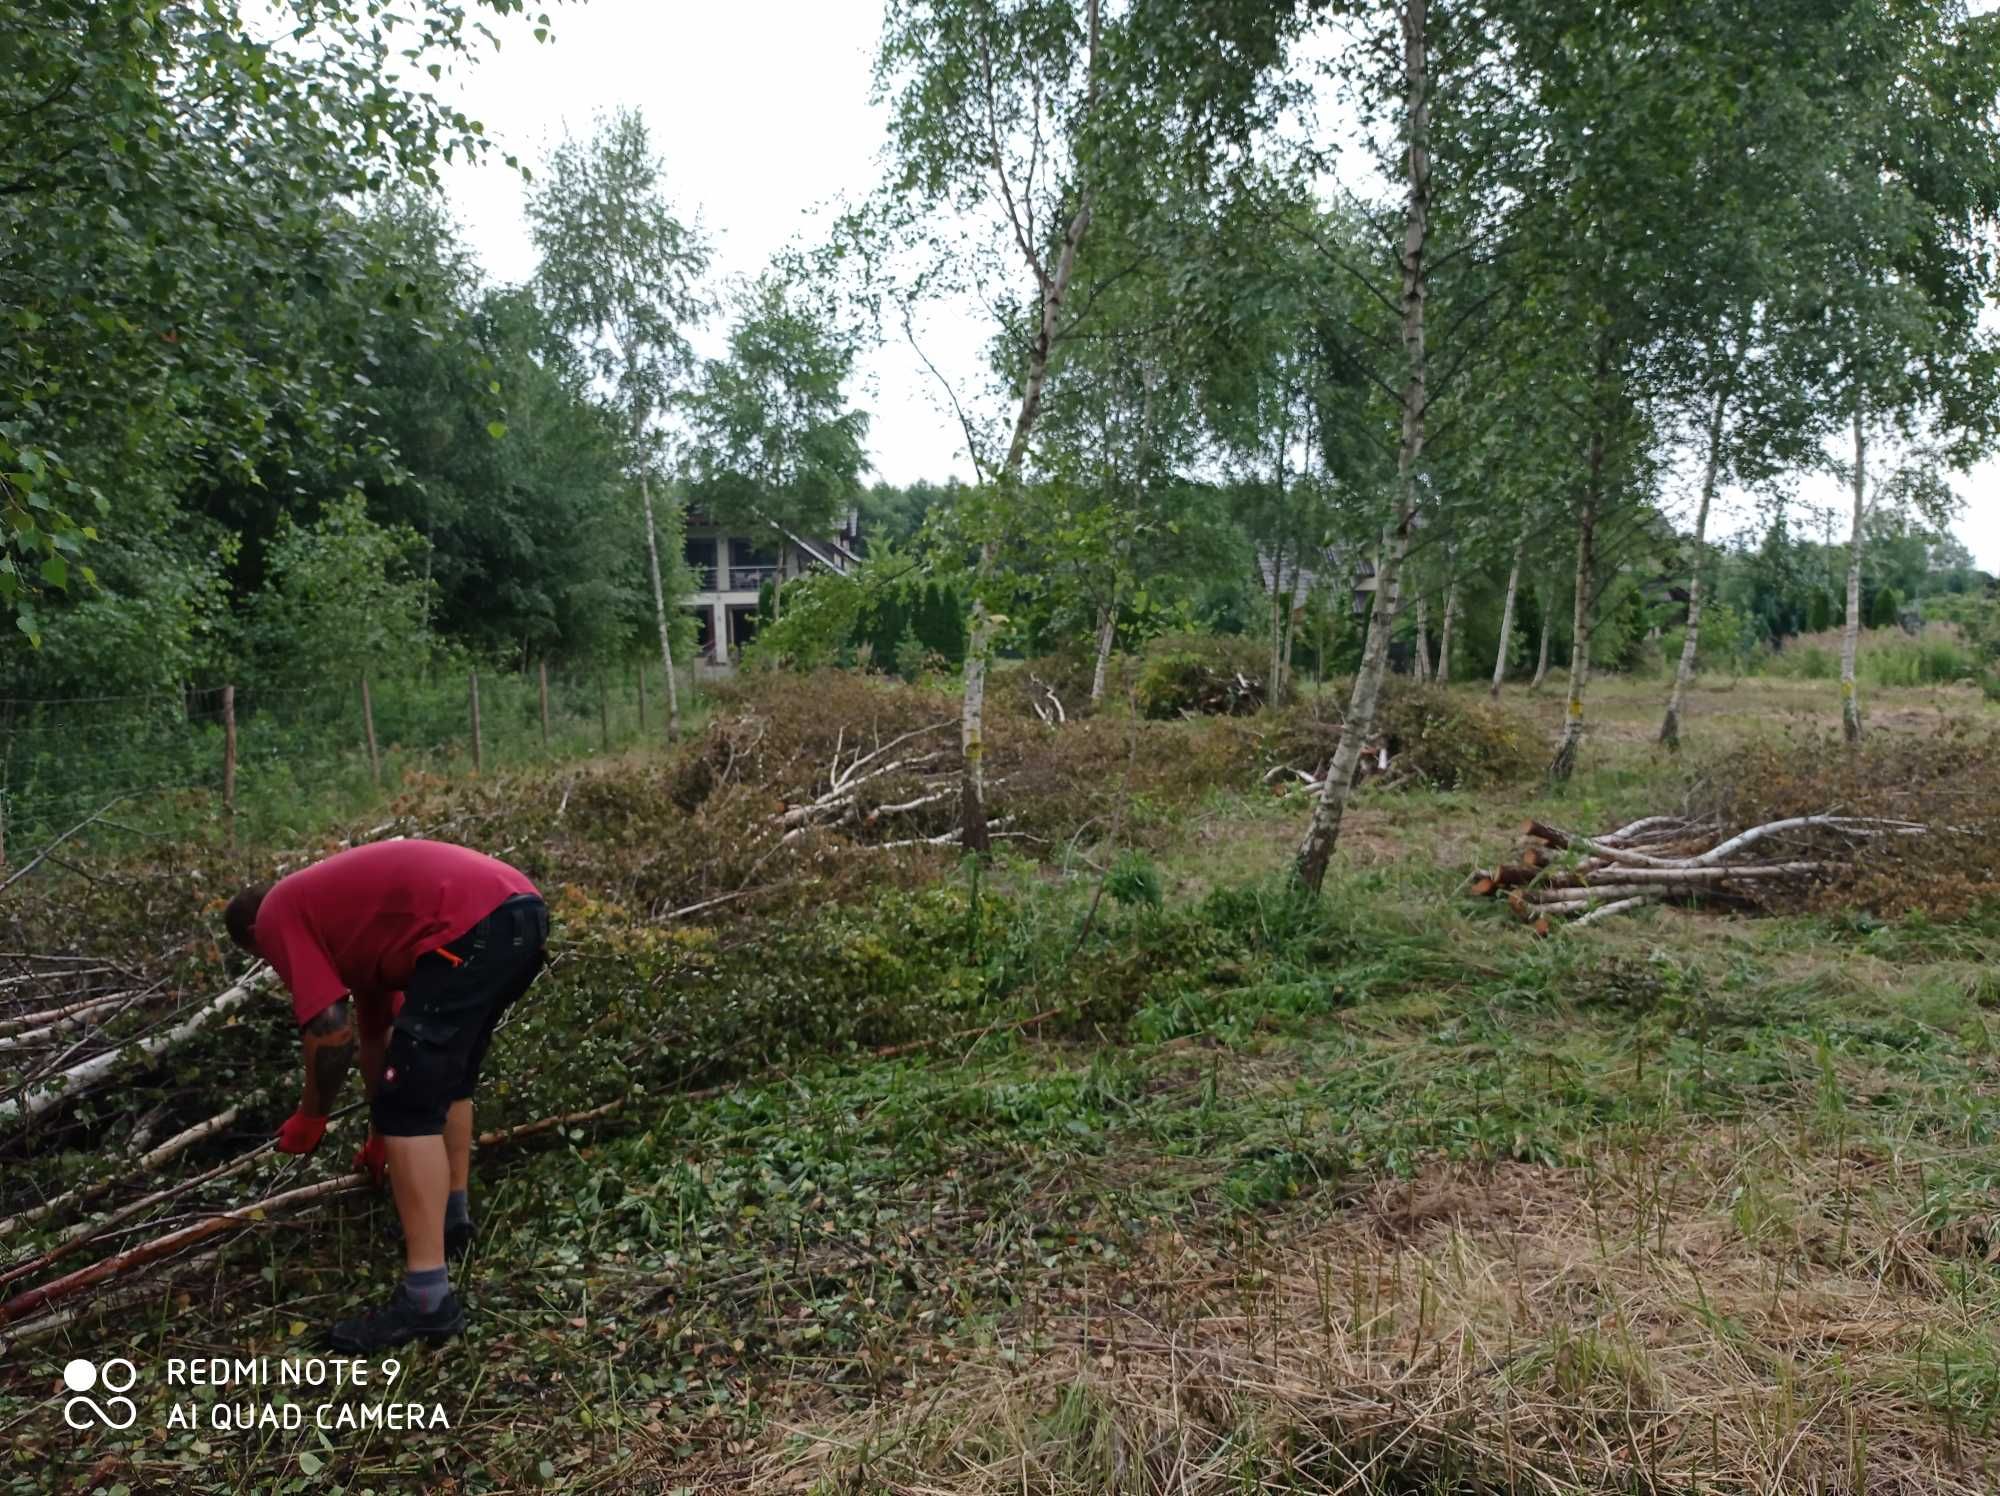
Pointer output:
x,y
241,916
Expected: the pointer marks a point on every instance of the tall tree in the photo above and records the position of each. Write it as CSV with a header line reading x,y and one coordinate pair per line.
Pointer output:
x,y
166,177
772,439
1316,851
1020,122
997,109
620,276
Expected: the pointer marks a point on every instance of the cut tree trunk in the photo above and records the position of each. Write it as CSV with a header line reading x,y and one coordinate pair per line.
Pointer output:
x,y
1850,633
1507,616
660,613
1670,728
1316,851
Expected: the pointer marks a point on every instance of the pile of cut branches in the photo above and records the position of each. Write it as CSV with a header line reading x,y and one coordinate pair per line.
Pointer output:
x,y
1565,875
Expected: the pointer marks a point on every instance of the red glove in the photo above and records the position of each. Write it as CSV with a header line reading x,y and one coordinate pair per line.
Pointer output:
x,y
301,1134
373,1156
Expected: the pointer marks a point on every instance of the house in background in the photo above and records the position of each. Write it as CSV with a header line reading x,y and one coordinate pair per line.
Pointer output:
x,y
1329,565
732,565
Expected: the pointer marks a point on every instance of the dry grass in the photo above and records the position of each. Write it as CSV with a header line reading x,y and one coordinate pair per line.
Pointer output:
x,y
1753,1314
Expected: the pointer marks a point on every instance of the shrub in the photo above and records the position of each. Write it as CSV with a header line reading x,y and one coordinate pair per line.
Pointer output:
x,y
1442,738
1947,780
1192,675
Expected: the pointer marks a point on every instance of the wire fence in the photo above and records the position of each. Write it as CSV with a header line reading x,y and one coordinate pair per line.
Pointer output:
x,y
262,760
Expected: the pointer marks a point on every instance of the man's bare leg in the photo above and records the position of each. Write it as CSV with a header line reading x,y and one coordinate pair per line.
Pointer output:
x,y
420,1178
458,1143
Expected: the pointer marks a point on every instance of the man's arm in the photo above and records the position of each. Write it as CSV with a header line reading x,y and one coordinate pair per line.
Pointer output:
x,y
328,1041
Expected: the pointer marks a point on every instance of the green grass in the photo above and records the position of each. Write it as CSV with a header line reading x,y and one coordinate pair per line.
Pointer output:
x,y
1705,1201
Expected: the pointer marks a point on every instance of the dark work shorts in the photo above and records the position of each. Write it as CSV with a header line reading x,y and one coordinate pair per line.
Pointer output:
x,y
456,996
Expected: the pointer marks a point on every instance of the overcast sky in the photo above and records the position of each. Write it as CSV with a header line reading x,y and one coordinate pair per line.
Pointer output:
x,y
762,116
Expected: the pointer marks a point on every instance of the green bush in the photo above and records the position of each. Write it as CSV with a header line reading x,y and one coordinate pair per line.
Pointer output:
x,y
1201,676
1883,609
1443,738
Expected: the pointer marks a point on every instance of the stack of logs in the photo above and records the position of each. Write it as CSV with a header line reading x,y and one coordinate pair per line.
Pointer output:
x,y
1561,875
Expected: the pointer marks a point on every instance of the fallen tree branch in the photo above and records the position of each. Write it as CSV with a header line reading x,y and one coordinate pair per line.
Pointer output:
x,y
93,1072
137,1257
178,1144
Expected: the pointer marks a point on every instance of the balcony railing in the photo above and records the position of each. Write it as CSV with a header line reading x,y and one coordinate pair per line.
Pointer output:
x,y
750,578
705,578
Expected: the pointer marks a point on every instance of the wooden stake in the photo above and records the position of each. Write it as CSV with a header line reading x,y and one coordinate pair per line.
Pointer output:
x,y
478,756
229,756
545,705
368,726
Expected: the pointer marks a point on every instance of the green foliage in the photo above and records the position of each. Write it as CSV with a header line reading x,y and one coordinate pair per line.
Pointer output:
x,y
1724,642
619,271
1134,881
341,598
185,300
1819,611
1883,609
772,437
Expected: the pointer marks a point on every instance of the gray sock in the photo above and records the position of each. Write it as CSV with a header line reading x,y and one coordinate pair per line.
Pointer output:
x,y
427,1288
456,1211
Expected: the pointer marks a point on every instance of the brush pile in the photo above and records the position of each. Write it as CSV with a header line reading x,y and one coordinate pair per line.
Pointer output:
x,y
1564,875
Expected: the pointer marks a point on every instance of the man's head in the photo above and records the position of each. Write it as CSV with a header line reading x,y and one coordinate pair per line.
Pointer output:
x,y
241,916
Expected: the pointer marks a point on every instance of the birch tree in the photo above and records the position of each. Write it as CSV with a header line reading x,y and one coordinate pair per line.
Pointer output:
x,y
1023,119
620,277
1316,851
772,439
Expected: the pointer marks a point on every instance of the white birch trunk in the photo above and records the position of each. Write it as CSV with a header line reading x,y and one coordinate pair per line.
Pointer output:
x,y
1323,834
1274,685
1423,640
96,1070
1670,728
1291,630
1564,763
1507,616
1850,632
1444,635
1107,632
1054,284
660,612
1542,655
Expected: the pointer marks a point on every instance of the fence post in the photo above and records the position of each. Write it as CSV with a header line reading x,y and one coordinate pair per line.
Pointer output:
x,y
604,709
229,757
368,725
478,756
642,698
545,705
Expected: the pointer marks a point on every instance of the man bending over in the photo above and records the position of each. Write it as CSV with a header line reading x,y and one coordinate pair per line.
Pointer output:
x,y
457,936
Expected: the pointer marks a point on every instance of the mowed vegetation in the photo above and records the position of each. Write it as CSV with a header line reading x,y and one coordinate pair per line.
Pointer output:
x,y
1121,1165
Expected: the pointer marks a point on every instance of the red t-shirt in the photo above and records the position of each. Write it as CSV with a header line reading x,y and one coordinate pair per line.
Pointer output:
x,y
358,921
